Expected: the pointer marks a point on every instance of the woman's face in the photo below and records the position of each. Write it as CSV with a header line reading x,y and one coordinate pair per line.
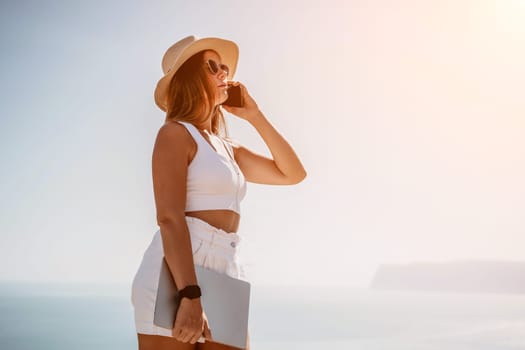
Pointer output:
x,y
218,80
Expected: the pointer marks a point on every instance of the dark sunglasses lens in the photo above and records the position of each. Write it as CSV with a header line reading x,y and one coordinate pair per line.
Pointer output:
x,y
225,68
213,66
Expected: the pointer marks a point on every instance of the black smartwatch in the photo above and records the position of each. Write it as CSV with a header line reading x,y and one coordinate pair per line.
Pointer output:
x,y
190,292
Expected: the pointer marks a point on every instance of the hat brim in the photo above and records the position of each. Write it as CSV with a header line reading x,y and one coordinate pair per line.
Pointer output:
x,y
227,49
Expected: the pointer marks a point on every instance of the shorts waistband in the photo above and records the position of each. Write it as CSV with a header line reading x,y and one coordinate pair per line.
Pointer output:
x,y
210,233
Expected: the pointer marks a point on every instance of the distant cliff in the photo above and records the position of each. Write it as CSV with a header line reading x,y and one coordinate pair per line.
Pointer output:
x,y
458,276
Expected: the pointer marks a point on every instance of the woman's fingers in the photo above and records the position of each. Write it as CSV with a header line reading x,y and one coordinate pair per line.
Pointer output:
x,y
207,331
186,336
233,83
189,331
189,335
196,337
175,332
178,329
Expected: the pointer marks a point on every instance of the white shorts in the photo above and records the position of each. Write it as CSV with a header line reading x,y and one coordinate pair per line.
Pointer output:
x,y
212,248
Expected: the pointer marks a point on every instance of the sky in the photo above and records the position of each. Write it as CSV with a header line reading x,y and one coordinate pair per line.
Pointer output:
x,y
408,116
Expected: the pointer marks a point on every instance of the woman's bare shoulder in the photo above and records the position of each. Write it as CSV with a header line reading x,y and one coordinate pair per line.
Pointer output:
x,y
173,139
172,127
174,133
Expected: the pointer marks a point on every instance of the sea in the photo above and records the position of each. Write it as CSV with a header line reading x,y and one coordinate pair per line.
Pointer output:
x,y
88,317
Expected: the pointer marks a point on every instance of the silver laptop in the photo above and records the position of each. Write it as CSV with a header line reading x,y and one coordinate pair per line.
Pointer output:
x,y
225,301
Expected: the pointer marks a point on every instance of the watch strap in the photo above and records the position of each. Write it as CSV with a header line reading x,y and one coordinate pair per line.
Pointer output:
x,y
190,292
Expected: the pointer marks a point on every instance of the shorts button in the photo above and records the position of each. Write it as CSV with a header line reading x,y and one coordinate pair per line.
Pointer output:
x,y
233,244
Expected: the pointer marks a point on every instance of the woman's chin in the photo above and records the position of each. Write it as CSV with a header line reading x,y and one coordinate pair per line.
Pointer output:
x,y
222,99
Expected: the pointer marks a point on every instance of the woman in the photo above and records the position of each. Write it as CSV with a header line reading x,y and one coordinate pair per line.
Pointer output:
x,y
199,179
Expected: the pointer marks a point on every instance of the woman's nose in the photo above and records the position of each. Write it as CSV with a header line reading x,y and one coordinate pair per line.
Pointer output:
x,y
222,74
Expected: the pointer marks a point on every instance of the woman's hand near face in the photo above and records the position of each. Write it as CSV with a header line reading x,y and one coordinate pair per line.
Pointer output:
x,y
250,109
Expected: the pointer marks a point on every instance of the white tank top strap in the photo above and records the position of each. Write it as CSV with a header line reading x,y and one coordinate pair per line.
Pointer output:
x,y
194,132
202,141
227,147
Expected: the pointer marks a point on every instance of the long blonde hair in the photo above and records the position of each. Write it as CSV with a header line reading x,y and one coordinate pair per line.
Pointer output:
x,y
191,96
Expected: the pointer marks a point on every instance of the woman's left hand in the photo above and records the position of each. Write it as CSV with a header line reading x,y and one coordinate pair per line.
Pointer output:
x,y
249,111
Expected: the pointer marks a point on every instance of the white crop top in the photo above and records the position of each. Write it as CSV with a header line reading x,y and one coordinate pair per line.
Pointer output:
x,y
214,180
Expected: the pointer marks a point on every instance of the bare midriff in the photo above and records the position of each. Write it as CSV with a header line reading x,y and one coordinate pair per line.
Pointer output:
x,y
226,220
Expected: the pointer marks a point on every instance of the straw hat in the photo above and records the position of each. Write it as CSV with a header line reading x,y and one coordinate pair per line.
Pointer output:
x,y
182,50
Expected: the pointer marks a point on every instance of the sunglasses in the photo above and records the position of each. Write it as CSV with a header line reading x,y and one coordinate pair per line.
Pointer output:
x,y
214,67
